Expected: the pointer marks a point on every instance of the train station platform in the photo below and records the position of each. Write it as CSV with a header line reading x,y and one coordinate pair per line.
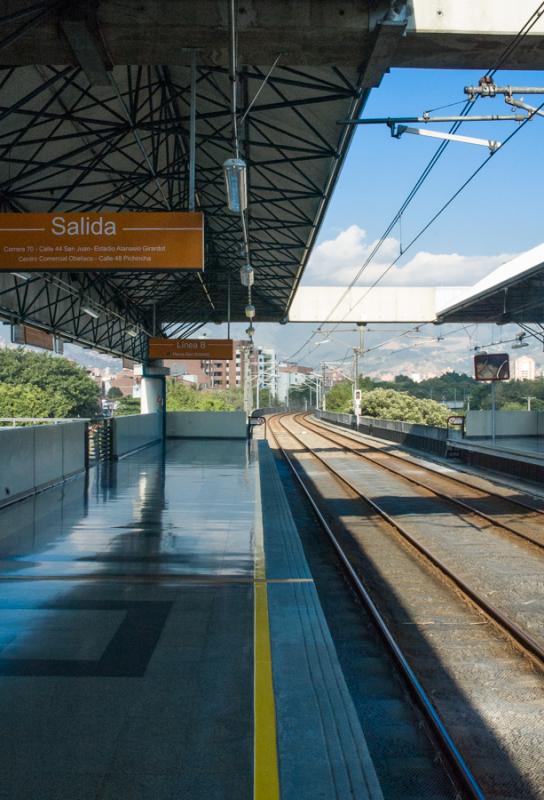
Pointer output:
x,y
161,637
521,456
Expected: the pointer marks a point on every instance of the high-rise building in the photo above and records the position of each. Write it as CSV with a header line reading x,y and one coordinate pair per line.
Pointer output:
x,y
524,368
266,369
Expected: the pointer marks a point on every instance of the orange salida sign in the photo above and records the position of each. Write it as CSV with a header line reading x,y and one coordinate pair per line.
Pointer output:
x,y
194,349
132,240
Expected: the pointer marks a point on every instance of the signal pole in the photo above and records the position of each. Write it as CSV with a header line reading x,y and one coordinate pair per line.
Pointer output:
x,y
358,353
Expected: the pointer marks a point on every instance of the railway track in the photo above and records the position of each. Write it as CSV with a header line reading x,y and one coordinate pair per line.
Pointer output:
x,y
431,479
528,644
302,459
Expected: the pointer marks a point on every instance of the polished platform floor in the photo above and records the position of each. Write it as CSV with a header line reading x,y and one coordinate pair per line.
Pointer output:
x,y
161,638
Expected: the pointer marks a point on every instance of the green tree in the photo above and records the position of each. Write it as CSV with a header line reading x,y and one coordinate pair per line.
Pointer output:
x,y
114,392
180,397
389,404
72,392
126,406
267,399
339,396
30,401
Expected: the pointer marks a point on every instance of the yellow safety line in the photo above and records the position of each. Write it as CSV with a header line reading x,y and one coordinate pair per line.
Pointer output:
x,y
266,784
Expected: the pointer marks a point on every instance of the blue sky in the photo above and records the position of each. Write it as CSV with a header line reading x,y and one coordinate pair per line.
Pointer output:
x,y
498,215
500,212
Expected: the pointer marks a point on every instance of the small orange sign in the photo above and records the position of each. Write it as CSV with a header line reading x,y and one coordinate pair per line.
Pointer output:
x,y
132,240
24,334
193,349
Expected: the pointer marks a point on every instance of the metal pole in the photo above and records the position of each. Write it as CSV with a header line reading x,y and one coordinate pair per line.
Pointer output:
x,y
493,410
288,389
355,374
233,70
248,392
192,135
361,339
228,307
490,91
323,401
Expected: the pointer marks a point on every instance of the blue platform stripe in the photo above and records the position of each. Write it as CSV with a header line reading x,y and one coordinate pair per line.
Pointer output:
x,y
322,749
284,552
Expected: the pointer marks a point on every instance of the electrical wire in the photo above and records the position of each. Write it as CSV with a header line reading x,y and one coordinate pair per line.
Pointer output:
x,y
425,174
445,205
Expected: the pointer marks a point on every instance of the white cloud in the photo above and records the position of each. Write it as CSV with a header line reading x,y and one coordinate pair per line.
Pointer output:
x,y
335,262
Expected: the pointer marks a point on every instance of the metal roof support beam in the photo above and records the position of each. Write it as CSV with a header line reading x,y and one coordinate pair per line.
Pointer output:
x,y
79,26
192,135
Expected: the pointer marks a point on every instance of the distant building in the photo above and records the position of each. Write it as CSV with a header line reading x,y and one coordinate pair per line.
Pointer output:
x,y
124,381
266,368
211,374
332,375
106,379
290,375
524,369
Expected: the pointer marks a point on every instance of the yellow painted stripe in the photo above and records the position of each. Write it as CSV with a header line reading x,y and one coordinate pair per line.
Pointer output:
x,y
266,779
266,784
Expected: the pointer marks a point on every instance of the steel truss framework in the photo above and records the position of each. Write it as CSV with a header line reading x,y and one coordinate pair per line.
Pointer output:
x,y
66,145
521,302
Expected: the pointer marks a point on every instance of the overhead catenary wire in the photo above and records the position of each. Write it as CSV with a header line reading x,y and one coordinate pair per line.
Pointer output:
x,y
510,48
428,338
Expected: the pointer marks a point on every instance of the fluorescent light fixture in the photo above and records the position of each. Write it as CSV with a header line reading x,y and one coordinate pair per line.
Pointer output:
x,y
250,311
133,332
519,344
23,276
247,275
323,341
92,312
234,170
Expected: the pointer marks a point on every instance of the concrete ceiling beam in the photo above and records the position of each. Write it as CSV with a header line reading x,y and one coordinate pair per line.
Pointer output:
x,y
80,27
439,33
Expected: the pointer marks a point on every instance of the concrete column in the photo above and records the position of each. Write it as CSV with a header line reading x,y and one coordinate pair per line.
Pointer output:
x,y
153,391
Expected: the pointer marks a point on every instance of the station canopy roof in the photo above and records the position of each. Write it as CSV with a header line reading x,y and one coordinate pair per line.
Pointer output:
x,y
122,144
514,292
95,115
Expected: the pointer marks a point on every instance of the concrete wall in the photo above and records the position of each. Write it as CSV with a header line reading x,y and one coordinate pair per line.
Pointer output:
x,y
409,434
206,424
507,423
39,456
133,432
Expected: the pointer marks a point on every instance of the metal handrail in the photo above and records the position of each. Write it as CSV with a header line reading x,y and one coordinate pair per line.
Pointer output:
x,y
46,420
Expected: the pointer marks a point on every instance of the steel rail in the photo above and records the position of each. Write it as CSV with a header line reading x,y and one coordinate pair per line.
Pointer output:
x,y
470,485
453,756
316,428
529,646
